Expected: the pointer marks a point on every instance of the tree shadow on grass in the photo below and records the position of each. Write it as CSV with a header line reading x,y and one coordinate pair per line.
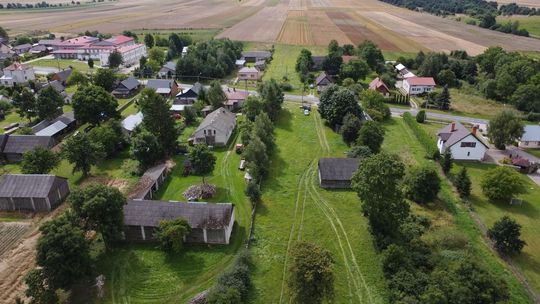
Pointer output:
x,y
284,120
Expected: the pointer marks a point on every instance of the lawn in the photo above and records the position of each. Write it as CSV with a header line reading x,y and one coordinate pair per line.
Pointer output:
x,y
530,23
535,152
448,214
11,117
528,215
284,62
293,207
65,63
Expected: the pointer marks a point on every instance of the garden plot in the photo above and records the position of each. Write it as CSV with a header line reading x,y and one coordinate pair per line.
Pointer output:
x,y
10,234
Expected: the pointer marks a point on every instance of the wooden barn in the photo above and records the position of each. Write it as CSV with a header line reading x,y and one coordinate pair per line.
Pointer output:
x,y
150,182
16,145
210,223
336,173
34,192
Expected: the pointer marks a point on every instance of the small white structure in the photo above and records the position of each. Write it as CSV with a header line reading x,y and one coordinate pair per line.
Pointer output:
x,y
185,50
17,73
530,137
462,143
131,122
418,85
216,128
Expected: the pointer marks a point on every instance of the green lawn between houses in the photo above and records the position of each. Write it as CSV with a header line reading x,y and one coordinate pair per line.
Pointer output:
x,y
293,207
65,63
449,215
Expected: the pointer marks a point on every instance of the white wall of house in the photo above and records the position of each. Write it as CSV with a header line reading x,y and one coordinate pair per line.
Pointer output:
x,y
416,89
17,77
529,144
469,148
130,57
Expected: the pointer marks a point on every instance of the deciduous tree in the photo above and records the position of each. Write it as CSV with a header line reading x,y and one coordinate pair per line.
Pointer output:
x,y
356,69
104,78
506,233
252,107
39,289
145,148
505,128
202,160
149,40
272,97
82,152
115,59
39,161
49,104
171,233
215,95
92,104
501,184
336,103
311,274
371,135
422,184
109,135
158,120
77,78
26,104
350,127
371,53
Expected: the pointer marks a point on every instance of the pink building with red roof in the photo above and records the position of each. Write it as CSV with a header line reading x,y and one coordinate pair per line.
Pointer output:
x,y
418,85
86,47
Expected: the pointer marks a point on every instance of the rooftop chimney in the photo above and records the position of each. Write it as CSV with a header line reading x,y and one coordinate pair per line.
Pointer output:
x,y
474,130
453,127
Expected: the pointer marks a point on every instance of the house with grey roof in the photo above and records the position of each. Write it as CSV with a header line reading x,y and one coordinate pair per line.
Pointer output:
x,y
21,49
462,143
34,192
17,145
323,81
127,88
254,56
211,223
189,95
530,137
62,76
56,128
168,70
216,128
164,87
336,173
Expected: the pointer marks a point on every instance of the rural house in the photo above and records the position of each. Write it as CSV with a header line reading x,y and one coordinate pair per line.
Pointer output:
x,y
57,86
249,73
131,122
168,70
62,76
164,87
530,137
463,144
127,88
336,173
378,85
418,85
211,223
216,128
254,56
35,192
235,99
323,81
6,53
16,145
150,182
17,74
21,49
189,95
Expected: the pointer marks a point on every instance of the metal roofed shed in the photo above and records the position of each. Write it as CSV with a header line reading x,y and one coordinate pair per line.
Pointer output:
x,y
336,173
210,223
53,129
17,145
131,122
35,192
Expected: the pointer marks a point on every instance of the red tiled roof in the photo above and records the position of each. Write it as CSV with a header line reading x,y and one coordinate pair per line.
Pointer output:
x,y
377,83
423,81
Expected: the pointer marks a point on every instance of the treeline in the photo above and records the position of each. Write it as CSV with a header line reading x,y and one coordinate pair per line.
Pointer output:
x,y
514,9
214,59
41,4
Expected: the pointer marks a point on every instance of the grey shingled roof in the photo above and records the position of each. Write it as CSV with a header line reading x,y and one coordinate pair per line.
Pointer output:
x,y
28,185
3,140
57,85
130,83
199,215
155,172
323,76
338,169
64,75
23,143
450,137
159,83
531,133
257,54
220,119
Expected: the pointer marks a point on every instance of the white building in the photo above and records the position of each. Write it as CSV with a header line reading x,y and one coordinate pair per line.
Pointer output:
x,y
17,73
530,137
130,54
216,128
418,85
463,144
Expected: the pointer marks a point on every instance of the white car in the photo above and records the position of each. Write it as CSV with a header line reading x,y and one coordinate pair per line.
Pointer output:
x,y
306,112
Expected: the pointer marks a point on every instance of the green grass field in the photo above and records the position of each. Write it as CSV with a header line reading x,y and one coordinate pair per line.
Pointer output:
x,y
293,207
448,213
197,35
530,23
535,152
284,62
527,215
65,63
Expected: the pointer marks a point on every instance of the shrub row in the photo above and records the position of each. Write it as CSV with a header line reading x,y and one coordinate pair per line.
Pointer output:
x,y
233,285
424,139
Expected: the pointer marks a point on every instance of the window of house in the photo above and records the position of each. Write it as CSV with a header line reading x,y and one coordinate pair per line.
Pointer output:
x,y
468,153
526,143
468,144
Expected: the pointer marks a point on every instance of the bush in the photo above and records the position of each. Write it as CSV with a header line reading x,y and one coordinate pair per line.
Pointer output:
x,y
285,86
501,184
425,140
253,191
422,184
233,286
506,234
421,116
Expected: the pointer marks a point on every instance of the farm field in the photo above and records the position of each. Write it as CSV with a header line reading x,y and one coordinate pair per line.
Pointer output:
x,y
529,3
10,233
293,207
527,215
530,23
448,214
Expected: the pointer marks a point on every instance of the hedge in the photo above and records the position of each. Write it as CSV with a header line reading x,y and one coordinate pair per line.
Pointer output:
x,y
425,140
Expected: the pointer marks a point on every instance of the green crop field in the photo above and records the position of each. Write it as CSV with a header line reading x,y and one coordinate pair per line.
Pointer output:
x,y
527,215
293,207
448,214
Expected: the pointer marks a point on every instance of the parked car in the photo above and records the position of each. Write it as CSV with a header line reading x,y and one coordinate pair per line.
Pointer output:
x,y
306,112
239,148
242,164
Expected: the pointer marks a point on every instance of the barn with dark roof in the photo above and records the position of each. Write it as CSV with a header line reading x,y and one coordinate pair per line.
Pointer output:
x,y
35,192
336,173
16,145
210,223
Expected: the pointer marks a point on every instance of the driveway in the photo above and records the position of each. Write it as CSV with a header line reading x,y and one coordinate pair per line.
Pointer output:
x,y
493,155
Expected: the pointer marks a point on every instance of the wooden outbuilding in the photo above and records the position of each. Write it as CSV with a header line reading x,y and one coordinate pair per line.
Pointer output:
x,y
34,192
336,173
210,223
150,182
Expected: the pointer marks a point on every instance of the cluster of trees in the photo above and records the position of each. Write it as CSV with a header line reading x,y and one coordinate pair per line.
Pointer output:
x,y
47,105
505,128
510,78
233,285
214,59
489,21
515,9
418,270
63,250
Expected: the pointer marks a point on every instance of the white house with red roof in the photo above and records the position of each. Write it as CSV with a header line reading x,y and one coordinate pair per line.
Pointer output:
x,y
17,73
378,85
462,143
418,85
86,47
